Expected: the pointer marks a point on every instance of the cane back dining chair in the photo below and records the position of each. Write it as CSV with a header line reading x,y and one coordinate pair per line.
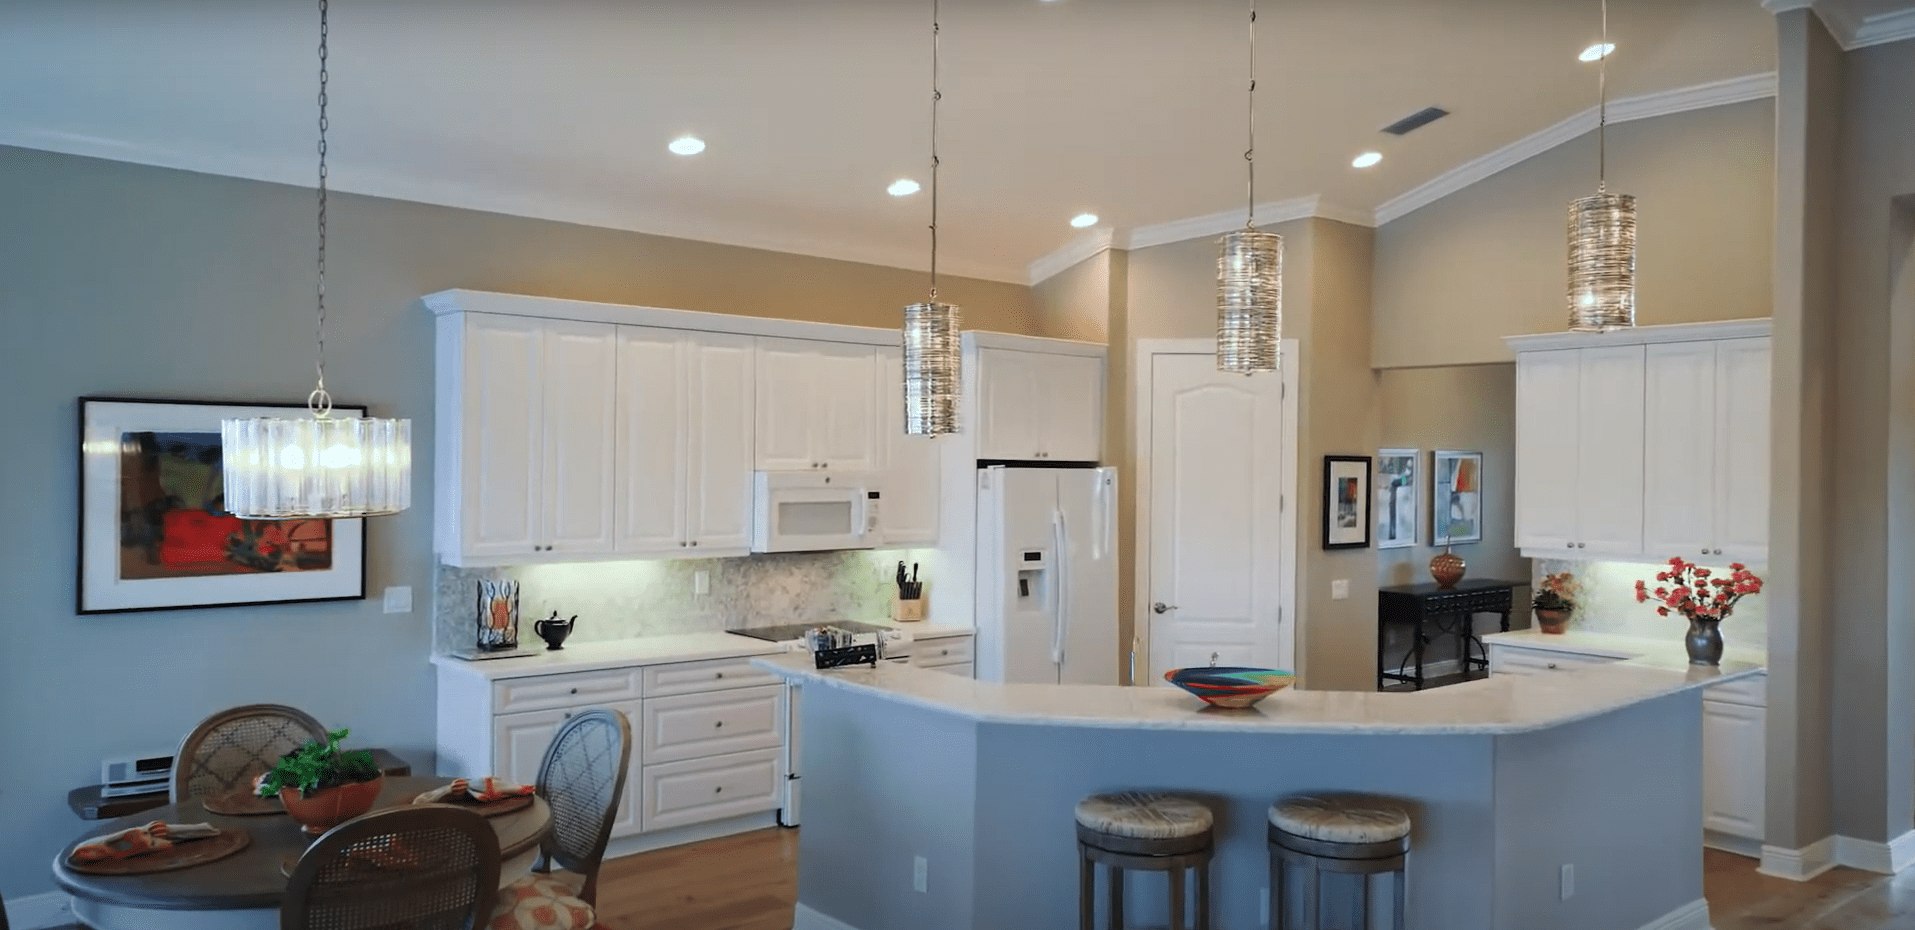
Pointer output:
x,y
227,749
581,778
427,867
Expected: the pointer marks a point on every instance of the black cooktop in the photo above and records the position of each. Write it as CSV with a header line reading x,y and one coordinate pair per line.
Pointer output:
x,y
779,634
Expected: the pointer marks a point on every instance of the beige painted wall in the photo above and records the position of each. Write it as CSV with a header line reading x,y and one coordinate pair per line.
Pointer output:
x,y
1075,302
1456,276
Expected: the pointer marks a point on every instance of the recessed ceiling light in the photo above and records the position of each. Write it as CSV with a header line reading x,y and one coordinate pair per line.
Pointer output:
x,y
1082,220
1366,159
1599,50
902,187
687,145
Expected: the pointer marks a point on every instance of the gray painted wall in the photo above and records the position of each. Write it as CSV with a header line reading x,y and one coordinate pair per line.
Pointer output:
x,y
130,280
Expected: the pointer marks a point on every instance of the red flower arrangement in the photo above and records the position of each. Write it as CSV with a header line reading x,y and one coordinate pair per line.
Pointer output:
x,y
1696,594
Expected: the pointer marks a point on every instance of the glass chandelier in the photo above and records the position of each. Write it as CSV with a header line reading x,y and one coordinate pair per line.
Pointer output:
x,y
1249,269
279,468
1602,234
933,361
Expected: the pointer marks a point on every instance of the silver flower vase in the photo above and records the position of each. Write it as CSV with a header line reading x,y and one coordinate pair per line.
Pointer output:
x,y
1704,641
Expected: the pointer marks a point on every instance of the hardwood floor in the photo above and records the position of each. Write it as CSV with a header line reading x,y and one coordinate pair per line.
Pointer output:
x,y
749,882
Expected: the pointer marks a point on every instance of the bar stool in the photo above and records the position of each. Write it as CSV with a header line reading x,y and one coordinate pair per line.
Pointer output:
x,y
1142,830
1351,834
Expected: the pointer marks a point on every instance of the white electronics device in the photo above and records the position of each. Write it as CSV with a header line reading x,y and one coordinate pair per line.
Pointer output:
x,y
127,775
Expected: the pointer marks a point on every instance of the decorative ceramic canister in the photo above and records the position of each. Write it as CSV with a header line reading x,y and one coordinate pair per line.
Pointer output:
x,y
498,614
1447,568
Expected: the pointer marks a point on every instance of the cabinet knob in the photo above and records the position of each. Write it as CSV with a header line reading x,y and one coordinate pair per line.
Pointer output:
x,y
694,542
718,725
718,790
720,675
1552,665
574,690
1718,552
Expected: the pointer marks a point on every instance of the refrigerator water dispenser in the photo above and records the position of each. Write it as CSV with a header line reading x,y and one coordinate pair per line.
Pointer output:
x,y
1033,580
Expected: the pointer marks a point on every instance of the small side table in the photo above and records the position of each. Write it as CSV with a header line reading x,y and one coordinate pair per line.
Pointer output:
x,y
89,804
1449,610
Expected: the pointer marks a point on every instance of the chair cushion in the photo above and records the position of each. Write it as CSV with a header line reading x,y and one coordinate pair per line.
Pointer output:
x,y
540,902
1340,818
1144,815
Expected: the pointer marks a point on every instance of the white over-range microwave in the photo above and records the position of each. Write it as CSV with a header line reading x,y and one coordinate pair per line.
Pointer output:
x,y
811,511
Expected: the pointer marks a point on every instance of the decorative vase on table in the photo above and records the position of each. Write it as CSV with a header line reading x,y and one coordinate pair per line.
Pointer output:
x,y
333,806
1552,621
1447,569
1704,641
1704,599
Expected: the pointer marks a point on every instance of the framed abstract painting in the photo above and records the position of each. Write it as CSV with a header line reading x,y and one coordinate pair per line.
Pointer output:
x,y
1456,498
1346,501
153,531
1398,509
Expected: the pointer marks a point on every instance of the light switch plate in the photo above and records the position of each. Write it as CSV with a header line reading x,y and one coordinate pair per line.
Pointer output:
x,y
399,599
1340,589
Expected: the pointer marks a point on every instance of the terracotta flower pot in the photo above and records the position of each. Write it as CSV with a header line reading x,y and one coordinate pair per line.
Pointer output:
x,y
1552,621
333,806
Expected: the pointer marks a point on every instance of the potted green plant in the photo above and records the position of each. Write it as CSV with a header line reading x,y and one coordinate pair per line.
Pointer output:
x,y
323,786
1555,601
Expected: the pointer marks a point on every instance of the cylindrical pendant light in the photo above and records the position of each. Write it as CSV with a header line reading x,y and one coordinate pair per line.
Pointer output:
x,y
1602,233
933,357
278,468
1250,269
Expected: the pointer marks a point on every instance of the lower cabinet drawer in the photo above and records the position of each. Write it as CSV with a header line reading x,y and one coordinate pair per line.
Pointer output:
x,y
688,726
678,794
1512,660
708,675
947,651
577,689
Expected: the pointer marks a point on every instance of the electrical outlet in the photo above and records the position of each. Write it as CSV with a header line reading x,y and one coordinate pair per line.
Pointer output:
x,y
399,599
1569,881
920,871
701,582
1340,589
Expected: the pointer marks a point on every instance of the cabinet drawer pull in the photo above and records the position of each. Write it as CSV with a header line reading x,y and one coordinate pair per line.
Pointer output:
x,y
718,724
574,690
1552,665
718,790
719,675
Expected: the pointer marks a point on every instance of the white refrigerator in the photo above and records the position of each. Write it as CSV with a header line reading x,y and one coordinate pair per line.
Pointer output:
x,y
1047,575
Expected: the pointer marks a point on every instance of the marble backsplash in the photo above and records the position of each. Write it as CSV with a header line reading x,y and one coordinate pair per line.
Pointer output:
x,y
622,600
1608,602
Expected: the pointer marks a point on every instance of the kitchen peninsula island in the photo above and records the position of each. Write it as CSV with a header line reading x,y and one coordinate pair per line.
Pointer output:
x,y
1508,780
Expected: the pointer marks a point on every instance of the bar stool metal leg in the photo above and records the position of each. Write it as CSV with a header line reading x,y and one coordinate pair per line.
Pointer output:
x,y
1115,876
1203,898
1401,879
1312,887
1086,887
1177,898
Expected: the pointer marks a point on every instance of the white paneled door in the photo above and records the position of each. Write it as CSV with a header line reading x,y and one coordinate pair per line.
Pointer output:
x,y
1217,472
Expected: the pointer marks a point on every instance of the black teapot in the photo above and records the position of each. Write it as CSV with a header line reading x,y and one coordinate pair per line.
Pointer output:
x,y
553,630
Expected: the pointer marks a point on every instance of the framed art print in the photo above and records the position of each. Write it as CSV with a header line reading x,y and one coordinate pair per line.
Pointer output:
x,y
1398,509
1346,501
154,534
1456,497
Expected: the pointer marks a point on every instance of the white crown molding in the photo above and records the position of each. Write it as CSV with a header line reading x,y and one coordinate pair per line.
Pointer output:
x,y
348,178
1683,99
1216,224
1850,29
1074,251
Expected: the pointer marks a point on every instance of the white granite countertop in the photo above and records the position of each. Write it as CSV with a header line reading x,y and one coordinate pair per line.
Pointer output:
x,y
1501,704
648,650
1619,646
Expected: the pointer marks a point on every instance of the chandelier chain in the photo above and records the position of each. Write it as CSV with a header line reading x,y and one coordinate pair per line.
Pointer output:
x,y
936,95
1602,105
319,400
1250,153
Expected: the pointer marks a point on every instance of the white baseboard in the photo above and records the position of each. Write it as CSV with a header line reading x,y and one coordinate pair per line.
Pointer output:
x,y
646,842
1740,845
40,911
804,918
1799,864
1691,916
1870,856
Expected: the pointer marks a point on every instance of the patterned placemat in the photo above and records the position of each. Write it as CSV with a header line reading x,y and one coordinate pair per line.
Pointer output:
x,y
241,802
181,855
485,809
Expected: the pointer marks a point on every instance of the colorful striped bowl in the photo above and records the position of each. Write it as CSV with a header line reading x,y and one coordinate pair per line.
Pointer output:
x,y
1230,685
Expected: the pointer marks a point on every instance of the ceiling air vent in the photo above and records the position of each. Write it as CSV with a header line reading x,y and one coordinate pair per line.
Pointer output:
x,y
1417,120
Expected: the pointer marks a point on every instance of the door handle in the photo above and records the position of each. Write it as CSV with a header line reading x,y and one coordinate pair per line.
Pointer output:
x,y
1161,607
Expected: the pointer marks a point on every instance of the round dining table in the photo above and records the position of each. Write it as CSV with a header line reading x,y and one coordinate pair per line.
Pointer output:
x,y
243,890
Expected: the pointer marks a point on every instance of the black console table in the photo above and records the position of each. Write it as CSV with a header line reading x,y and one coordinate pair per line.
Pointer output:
x,y
1449,610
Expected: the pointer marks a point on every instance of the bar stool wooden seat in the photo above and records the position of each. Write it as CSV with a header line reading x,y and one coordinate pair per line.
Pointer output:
x,y
1148,831
1352,834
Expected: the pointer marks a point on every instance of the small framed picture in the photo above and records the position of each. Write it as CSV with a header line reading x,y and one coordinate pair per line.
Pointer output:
x,y
1398,509
1456,497
1346,501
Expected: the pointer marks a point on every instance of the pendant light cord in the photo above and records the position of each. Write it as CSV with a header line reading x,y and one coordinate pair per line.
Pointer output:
x,y
936,95
1250,153
319,401
1602,105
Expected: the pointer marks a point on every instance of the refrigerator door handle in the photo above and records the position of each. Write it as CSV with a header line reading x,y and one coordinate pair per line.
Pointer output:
x,y
1060,545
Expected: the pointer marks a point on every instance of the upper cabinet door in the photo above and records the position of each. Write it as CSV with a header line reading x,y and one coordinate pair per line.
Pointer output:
x,y
581,386
1548,395
1679,469
1609,480
1072,396
845,398
652,429
786,372
501,434
1008,404
912,479
718,474
1742,449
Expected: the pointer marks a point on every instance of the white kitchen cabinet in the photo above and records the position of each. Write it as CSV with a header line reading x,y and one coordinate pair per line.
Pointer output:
x,y
817,405
1706,470
684,439
912,476
1579,450
529,419
1039,406
1733,761
520,741
690,726
679,794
